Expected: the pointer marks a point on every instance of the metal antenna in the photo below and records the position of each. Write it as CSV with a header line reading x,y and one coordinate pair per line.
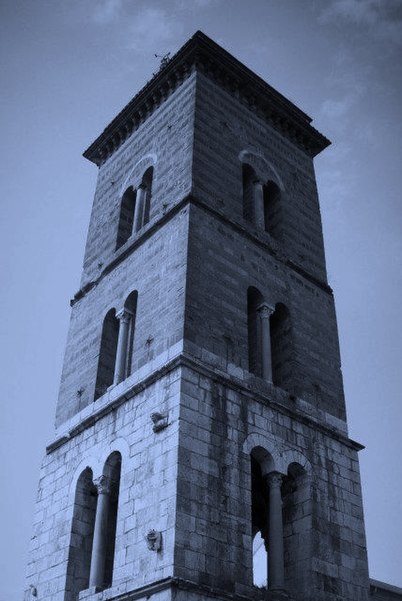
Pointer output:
x,y
165,58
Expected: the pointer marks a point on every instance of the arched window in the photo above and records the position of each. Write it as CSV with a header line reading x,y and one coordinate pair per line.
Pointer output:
x,y
261,201
281,346
126,219
104,538
248,180
116,347
266,517
281,514
270,344
135,208
82,530
272,197
107,354
93,530
254,301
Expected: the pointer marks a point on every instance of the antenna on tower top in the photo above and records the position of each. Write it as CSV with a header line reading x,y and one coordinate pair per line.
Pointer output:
x,y
165,58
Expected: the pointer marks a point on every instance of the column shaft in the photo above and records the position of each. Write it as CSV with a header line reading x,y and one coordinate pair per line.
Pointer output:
x,y
276,574
124,317
265,312
139,208
99,545
258,204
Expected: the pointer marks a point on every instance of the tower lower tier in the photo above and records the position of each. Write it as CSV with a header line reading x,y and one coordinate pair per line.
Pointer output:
x,y
158,490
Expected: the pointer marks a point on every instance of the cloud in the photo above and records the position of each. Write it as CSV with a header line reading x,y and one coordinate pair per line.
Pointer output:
x,y
336,109
190,6
339,178
380,18
107,11
347,89
151,30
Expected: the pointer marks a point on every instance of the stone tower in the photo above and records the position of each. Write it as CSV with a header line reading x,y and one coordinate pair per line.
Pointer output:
x,y
201,401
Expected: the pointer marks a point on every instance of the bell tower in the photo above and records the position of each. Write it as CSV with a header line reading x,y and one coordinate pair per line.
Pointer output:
x,y
201,403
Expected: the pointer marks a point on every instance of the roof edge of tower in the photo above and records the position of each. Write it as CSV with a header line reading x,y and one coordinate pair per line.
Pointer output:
x,y
204,54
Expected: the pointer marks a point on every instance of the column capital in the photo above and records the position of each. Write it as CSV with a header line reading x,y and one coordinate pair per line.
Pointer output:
x,y
274,479
265,310
103,485
124,315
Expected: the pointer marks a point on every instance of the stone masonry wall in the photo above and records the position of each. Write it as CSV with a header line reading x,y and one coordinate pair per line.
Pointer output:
x,y
192,482
227,133
220,424
159,316
222,264
164,140
192,265
146,497
228,254
157,267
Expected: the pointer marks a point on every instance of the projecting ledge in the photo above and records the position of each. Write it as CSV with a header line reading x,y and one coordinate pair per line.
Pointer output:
x,y
118,394
179,590
125,592
383,591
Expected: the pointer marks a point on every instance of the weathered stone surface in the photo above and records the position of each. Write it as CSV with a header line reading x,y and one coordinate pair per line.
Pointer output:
x,y
192,264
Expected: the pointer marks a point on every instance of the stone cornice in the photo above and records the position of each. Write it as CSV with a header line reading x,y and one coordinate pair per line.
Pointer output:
x,y
126,250
376,585
202,54
273,397
173,584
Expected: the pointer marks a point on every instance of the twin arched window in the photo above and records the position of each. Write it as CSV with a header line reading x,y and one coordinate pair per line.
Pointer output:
x,y
93,529
261,202
269,340
280,519
135,208
116,346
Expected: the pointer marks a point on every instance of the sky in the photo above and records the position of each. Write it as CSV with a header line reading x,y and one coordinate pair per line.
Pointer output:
x,y
67,67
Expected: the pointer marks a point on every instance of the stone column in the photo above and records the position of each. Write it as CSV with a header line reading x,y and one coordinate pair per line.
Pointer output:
x,y
99,545
258,203
139,207
276,574
124,316
265,312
